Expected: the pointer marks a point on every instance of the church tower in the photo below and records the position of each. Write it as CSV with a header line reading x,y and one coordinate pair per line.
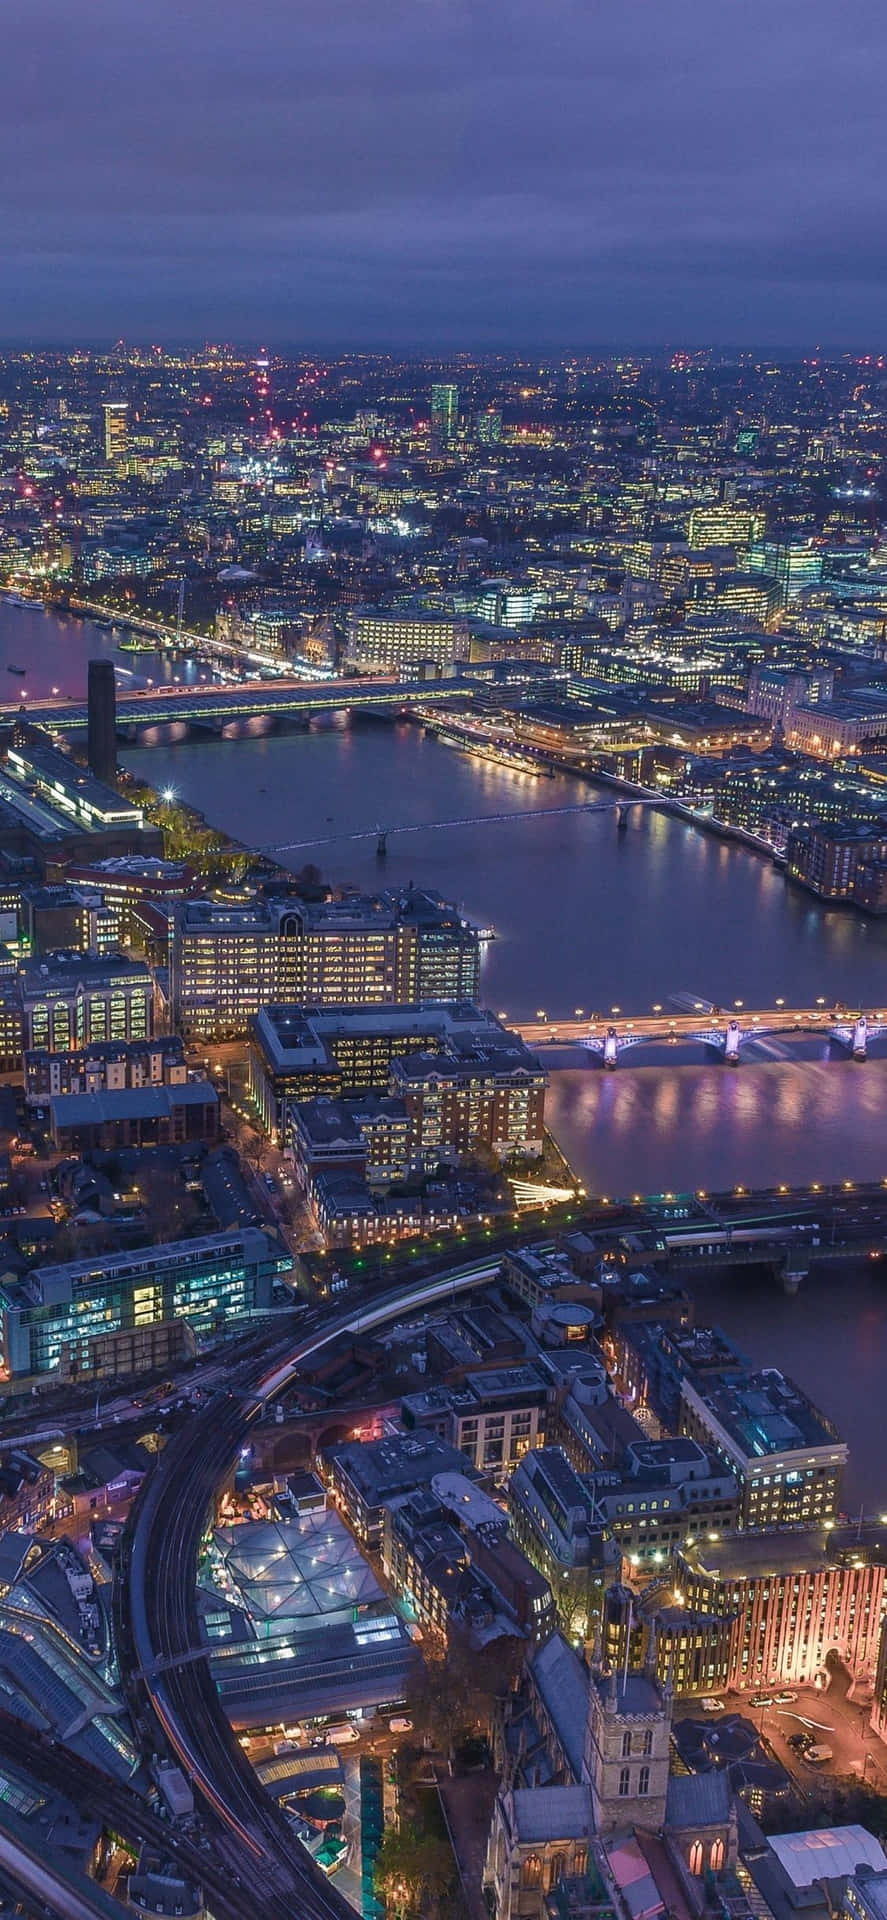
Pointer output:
x,y
627,1738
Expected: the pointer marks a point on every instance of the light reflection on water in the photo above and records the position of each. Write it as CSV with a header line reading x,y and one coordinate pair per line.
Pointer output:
x,y
590,918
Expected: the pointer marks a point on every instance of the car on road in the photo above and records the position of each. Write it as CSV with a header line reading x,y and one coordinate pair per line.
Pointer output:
x,y
785,1699
816,1756
400,1724
710,1704
762,1700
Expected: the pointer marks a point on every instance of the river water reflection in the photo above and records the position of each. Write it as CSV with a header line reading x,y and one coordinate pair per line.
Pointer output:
x,y
586,917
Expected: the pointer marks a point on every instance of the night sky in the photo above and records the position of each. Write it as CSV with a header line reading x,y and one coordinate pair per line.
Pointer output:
x,y
478,173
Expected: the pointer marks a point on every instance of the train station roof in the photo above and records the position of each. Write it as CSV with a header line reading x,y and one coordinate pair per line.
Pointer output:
x,y
296,1569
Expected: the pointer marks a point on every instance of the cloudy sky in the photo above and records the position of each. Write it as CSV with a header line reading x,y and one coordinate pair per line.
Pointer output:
x,y
434,173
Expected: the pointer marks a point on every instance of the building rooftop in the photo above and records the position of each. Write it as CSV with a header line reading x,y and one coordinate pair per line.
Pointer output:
x,y
294,1038
765,1413
381,1468
635,1694
129,1103
562,1681
698,1799
751,1556
552,1813
827,1853
299,1569
64,972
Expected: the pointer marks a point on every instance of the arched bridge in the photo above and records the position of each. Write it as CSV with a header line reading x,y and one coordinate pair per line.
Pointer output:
x,y
724,1034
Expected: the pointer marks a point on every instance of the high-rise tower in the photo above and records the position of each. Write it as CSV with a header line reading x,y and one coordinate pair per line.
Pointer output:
x,y
116,417
444,415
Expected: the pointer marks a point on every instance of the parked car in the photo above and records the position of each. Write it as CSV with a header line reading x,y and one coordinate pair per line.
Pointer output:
x,y
710,1704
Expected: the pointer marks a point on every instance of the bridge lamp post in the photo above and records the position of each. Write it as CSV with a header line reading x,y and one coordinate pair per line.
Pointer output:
x,y
615,1009
738,1003
657,1008
578,1012
780,1003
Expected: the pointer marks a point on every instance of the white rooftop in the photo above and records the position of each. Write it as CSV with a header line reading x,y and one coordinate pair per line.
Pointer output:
x,y
825,1853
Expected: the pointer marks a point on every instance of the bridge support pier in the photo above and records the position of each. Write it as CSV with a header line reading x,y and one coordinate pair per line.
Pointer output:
x,y
793,1270
860,1038
381,843
622,817
610,1050
731,1043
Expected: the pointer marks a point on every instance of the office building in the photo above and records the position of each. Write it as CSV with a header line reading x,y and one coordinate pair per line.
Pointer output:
x,y
165,1344
71,1000
494,1418
228,962
553,1518
49,1317
488,426
724,524
488,1093
829,729
297,1053
444,415
115,414
665,1491
794,1600
365,1477
101,707
62,916
786,1456
445,1551
409,642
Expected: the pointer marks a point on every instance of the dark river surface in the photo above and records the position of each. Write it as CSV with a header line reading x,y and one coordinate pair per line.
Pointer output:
x,y
589,918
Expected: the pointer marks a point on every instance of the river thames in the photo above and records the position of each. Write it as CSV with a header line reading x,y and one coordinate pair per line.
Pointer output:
x,y
586,917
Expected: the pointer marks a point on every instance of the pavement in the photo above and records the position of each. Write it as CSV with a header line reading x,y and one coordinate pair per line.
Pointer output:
x,y
829,1717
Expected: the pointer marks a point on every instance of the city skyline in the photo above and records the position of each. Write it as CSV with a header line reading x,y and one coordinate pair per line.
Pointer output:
x,y
435,181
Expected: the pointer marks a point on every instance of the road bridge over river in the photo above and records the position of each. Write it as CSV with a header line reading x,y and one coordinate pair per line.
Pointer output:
x,y
610,1038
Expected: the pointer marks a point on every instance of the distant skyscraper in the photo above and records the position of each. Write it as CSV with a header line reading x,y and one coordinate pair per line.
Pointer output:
x,y
444,414
116,414
102,720
489,426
